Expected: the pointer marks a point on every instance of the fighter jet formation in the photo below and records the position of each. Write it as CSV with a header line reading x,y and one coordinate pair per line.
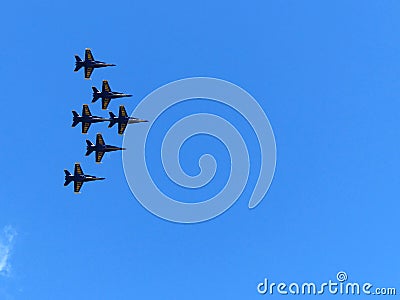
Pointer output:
x,y
87,119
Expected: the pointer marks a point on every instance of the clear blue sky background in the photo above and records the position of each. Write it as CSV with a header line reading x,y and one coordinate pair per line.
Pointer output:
x,y
325,72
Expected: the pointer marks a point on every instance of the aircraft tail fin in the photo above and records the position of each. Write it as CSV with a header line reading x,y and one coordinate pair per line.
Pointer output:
x,y
89,147
78,63
67,178
112,119
95,94
75,122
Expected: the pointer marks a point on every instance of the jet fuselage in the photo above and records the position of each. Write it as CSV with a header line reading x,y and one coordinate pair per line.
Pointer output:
x,y
103,148
110,95
113,95
89,119
82,178
92,64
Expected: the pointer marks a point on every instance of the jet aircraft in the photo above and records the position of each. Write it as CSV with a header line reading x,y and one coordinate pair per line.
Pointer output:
x,y
100,148
87,119
78,178
123,119
89,63
106,94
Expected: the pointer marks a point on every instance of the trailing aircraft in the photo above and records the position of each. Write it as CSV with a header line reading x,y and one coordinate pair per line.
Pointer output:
x,y
78,178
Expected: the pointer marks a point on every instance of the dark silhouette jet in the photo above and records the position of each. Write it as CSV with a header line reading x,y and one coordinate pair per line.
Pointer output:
x,y
123,119
100,148
87,119
106,94
78,178
89,63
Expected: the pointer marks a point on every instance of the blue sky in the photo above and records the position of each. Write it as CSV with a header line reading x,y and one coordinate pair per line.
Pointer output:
x,y
325,72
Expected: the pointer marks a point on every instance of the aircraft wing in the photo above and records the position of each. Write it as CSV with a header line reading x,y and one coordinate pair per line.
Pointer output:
x,y
121,127
86,110
85,127
99,139
88,54
88,72
105,102
99,156
122,111
106,86
77,186
78,169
